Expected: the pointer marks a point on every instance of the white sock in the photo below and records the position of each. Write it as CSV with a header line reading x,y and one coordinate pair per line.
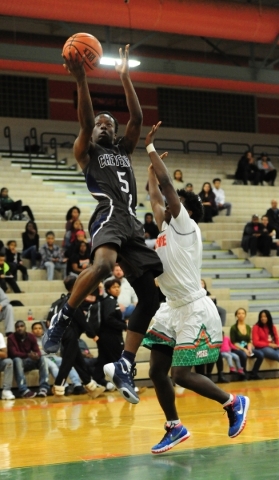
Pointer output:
x,y
172,423
229,402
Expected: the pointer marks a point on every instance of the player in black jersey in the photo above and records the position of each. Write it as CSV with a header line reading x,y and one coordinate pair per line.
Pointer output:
x,y
116,233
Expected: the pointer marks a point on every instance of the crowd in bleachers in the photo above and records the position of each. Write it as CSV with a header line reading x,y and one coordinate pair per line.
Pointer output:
x,y
23,351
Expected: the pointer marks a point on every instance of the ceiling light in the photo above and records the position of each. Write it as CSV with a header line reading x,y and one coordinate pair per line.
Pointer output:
x,y
111,61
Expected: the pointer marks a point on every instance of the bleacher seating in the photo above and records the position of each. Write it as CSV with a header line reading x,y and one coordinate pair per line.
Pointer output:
x,y
234,279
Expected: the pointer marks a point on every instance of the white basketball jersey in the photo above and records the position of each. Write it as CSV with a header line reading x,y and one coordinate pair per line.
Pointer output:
x,y
179,247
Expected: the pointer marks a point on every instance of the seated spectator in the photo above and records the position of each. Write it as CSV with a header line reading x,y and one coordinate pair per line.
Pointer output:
x,y
240,336
254,238
127,299
151,231
247,169
81,259
110,343
222,312
30,243
208,200
265,336
71,354
273,216
178,179
13,259
26,355
54,361
14,208
267,171
265,243
189,187
72,215
220,197
230,357
6,313
7,277
6,366
52,257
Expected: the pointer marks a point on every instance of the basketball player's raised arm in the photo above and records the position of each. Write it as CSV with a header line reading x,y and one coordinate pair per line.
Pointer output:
x,y
84,109
156,198
162,174
133,128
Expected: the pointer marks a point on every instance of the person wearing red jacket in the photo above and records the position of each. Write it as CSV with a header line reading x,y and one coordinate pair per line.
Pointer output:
x,y
24,350
265,336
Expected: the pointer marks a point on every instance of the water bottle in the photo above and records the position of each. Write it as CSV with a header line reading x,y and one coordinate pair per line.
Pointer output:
x,y
30,315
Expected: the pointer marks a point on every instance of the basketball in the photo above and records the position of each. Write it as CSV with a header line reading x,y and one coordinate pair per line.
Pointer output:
x,y
84,44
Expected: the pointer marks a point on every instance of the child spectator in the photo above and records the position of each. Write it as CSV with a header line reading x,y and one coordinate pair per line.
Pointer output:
x,y
6,276
265,336
16,208
220,197
26,355
13,259
231,357
127,297
30,243
52,257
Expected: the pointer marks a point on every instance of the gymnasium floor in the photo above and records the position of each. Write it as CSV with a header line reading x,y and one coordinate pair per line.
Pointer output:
x,y
108,438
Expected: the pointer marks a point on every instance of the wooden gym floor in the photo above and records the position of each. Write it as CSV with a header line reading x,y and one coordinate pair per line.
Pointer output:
x,y
107,438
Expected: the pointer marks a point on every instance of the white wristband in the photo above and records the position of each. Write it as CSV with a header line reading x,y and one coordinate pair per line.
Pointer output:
x,y
150,148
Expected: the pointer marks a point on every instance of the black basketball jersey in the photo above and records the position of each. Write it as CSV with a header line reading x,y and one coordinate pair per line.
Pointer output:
x,y
109,174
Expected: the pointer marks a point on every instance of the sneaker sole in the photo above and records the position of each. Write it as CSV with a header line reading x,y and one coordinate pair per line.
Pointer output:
x,y
124,391
171,445
243,424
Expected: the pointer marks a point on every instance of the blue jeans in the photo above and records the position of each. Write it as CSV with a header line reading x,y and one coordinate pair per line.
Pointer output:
x,y
31,254
271,353
22,365
6,366
231,357
258,355
128,311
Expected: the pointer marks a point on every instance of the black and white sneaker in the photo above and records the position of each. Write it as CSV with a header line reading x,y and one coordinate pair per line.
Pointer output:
x,y
123,378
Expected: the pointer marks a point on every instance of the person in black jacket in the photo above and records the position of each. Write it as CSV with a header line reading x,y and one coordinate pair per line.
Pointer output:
x,y
110,343
253,238
30,243
71,353
13,259
247,169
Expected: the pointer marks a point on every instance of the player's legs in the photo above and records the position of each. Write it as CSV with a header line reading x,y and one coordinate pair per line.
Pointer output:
x,y
200,384
104,261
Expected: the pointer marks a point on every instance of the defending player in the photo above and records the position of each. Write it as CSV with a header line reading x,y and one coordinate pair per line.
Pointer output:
x,y
187,329
115,232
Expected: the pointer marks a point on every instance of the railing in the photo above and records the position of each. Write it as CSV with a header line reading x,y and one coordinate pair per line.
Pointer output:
x,y
264,148
63,140
190,147
235,150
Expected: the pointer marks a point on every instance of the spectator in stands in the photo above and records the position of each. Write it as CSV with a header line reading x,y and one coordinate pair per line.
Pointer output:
x,y
151,231
52,257
6,313
13,259
265,337
178,179
220,197
110,343
81,259
30,243
189,187
240,336
267,171
273,216
26,355
72,215
54,361
6,366
7,277
251,234
265,240
222,312
71,354
247,169
208,200
2,248
15,208
230,357
127,299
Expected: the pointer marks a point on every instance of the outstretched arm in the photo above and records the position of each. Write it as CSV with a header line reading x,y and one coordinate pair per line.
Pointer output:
x,y
156,198
133,128
162,174
85,109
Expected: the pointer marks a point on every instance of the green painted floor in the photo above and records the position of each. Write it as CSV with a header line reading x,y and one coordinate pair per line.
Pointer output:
x,y
253,461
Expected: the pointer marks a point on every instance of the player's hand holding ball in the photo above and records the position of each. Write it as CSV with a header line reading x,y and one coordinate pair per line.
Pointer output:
x,y
82,53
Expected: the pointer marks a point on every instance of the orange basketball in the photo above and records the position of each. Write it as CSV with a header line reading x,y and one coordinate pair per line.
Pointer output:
x,y
84,44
